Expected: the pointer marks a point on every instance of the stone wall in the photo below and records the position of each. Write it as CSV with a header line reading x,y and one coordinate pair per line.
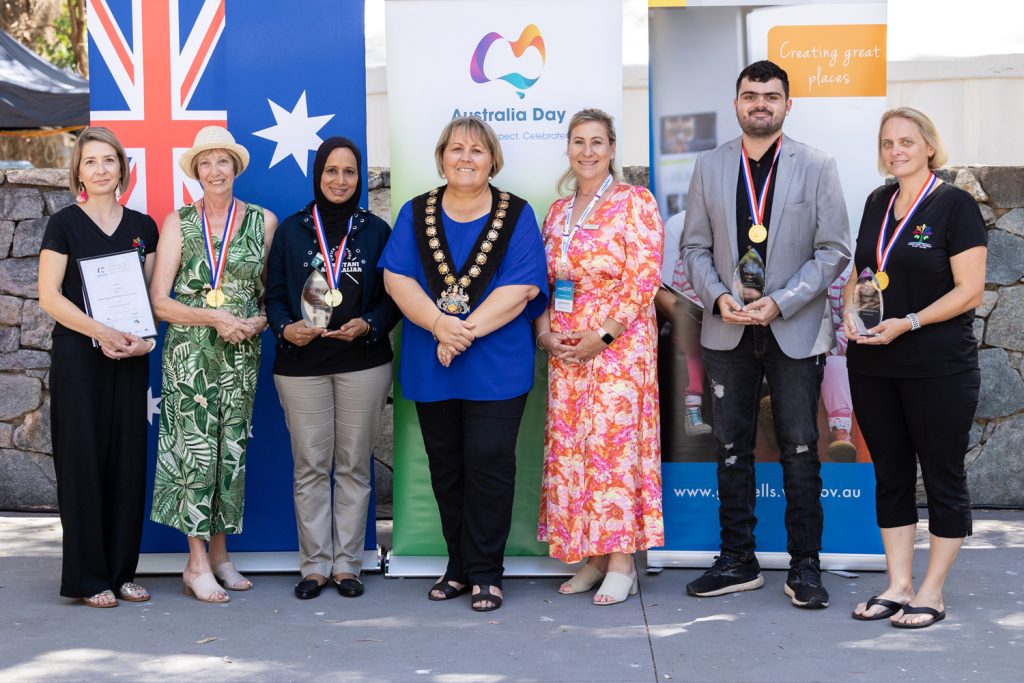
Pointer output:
x,y
995,463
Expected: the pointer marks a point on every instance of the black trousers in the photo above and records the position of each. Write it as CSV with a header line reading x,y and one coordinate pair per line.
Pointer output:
x,y
471,450
926,419
98,426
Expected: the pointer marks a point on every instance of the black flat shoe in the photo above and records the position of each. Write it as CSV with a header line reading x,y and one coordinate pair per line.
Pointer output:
x,y
447,590
486,594
350,588
308,589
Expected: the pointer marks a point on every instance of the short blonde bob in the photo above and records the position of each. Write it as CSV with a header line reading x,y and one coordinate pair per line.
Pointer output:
x,y
475,128
928,132
96,134
567,181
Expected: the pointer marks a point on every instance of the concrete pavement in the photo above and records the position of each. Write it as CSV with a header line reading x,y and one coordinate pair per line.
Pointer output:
x,y
394,634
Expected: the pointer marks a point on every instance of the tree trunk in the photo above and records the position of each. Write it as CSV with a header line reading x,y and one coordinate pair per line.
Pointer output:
x,y
76,13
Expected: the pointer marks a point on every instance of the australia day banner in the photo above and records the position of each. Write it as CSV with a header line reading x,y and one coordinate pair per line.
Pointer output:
x,y
160,70
834,54
525,67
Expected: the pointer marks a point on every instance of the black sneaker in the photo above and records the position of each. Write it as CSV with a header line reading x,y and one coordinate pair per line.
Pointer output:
x,y
729,574
803,585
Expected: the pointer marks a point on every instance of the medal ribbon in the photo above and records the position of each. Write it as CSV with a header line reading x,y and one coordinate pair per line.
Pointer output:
x,y
758,200
333,269
218,261
567,232
883,249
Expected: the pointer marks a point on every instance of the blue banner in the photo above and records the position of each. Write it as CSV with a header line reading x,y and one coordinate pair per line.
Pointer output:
x,y
281,79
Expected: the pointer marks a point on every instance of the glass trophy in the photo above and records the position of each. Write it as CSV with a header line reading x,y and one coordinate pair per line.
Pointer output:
x,y
316,312
867,303
748,279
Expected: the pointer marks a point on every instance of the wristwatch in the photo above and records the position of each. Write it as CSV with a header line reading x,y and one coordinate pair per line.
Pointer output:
x,y
606,336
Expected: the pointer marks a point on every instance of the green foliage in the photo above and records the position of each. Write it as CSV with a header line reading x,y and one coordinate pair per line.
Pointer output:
x,y
58,47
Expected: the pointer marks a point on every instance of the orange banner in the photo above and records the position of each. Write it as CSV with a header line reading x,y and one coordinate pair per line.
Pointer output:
x,y
845,60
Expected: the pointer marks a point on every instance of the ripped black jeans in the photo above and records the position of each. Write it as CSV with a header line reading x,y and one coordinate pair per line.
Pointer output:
x,y
735,378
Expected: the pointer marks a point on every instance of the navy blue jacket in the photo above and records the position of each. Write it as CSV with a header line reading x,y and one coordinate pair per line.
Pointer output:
x,y
294,247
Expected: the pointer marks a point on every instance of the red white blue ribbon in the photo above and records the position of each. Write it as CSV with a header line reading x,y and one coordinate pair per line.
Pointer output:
x,y
333,269
758,200
217,261
883,249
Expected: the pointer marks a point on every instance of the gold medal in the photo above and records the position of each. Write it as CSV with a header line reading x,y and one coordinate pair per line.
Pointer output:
x,y
883,279
757,233
215,298
333,297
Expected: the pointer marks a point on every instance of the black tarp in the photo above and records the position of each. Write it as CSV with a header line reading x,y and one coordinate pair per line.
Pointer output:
x,y
35,93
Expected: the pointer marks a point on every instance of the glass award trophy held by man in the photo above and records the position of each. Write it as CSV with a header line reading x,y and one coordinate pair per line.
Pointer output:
x,y
867,303
748,280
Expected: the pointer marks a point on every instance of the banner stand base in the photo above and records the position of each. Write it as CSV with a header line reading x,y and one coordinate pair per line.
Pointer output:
x,y
699,559
252,562
421,566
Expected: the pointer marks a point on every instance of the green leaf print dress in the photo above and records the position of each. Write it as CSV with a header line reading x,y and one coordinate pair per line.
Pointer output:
x,y
208,388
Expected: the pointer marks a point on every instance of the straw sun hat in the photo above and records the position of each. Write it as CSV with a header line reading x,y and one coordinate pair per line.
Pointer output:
x,y
213,137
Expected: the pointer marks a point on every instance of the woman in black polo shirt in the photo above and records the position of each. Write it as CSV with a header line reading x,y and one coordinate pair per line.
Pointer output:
x,y
333,375
914,377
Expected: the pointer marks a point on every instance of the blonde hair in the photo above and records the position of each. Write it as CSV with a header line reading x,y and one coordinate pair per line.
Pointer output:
x,y
567,181
475,127
97,134
928,131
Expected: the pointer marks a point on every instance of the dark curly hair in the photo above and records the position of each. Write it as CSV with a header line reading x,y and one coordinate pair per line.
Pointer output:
x,y
762,72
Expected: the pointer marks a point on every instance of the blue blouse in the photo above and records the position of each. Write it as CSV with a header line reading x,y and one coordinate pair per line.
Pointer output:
x,y
497,366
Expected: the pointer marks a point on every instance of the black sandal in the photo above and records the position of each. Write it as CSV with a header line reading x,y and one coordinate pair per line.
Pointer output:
x,y
891,608
449,591
936,617
486,595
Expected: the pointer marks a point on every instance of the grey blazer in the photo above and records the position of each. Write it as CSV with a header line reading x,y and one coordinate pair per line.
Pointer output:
x,y
808,244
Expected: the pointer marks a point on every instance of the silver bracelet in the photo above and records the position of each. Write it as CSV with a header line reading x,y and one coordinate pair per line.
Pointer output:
x,y
915,324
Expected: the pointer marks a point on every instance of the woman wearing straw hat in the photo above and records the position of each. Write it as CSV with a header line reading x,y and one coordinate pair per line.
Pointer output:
x,y
213,253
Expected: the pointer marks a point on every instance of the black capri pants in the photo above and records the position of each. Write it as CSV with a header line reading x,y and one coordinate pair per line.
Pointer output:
x,y
928,419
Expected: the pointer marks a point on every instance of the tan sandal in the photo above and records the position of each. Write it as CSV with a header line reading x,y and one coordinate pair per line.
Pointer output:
x,y
133,592
101,600
582,581
204,587
618,587
230,577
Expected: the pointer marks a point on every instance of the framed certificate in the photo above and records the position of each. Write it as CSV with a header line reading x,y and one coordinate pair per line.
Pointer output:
x,y
115,292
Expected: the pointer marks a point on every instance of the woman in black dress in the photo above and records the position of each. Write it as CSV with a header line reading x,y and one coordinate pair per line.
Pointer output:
x,y
98,381
914,377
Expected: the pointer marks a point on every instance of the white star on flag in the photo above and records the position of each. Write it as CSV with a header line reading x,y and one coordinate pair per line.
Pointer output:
x,y
295,132
152,405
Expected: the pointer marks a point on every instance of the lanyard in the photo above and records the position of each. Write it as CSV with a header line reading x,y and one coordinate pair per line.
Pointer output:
x,y
884,249
758,200
218,261
333,269
567,233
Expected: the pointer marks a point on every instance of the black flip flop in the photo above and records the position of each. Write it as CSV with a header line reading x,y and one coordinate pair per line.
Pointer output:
x,y
891,608
449,591
936,615
486,595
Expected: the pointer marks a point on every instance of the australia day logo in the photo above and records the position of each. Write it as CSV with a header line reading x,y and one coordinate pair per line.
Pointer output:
x,y
529,38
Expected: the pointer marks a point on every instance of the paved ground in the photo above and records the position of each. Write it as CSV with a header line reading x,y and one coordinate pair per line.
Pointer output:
x,y
394,634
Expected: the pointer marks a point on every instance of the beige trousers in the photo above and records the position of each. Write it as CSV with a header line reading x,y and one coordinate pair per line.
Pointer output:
x,y
333,421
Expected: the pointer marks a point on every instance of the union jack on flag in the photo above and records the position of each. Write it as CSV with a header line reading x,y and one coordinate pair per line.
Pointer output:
x,y
160,70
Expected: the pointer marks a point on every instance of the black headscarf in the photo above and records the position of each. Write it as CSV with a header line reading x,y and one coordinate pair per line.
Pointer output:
x,y
335,215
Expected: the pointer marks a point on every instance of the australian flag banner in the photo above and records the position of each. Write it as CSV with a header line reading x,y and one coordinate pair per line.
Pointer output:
x,y
282,77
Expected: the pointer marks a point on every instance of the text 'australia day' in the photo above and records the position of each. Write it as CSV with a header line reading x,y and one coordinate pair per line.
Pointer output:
x,y
513,114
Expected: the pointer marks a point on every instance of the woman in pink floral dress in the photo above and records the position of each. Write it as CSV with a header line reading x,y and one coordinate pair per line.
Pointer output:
x,y
601,492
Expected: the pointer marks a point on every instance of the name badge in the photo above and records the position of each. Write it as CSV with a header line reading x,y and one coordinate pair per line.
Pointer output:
x,y
565,291
590,226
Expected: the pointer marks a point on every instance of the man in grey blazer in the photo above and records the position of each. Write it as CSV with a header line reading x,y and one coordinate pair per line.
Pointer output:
x,y
767,193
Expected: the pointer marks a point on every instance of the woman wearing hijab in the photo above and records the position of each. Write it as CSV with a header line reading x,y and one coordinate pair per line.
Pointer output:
x,y
333,365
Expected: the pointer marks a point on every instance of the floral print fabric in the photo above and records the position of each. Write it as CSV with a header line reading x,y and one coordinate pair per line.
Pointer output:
x,y
601,488
208,388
